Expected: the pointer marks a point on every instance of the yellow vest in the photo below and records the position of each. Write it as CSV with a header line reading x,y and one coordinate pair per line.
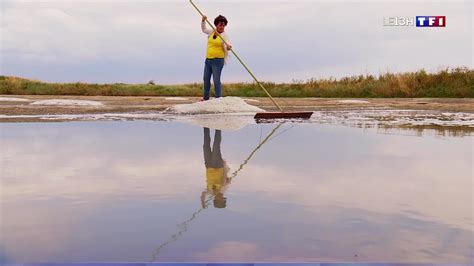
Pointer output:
x,y
214,47
215,178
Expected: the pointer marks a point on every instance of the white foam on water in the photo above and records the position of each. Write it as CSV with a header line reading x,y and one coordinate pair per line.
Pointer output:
x,y
9,99
176,99
352,101
214,106
63,102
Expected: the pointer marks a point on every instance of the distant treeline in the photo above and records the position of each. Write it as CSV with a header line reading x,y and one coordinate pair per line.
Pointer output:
x,y
448,83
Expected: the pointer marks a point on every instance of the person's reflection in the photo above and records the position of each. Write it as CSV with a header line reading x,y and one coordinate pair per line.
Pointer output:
x,y
216,171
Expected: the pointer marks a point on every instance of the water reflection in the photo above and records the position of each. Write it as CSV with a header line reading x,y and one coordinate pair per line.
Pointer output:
x,y
217,170
218,179
217,182
88,191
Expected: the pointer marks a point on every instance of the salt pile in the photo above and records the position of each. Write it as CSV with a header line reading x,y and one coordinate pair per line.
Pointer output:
x,y
214,106
67,102
8,99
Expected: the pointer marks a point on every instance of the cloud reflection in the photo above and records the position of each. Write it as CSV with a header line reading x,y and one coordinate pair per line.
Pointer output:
x,y
316,192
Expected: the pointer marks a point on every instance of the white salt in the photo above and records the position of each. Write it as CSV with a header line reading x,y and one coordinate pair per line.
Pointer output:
x,y
352,101
219,105
176,99
252,100
67,102
8,99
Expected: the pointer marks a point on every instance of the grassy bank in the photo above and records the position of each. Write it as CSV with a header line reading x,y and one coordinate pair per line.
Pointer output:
x,y
449,83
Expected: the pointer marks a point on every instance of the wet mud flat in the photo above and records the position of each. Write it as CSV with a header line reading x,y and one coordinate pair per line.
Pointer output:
x,y
415,113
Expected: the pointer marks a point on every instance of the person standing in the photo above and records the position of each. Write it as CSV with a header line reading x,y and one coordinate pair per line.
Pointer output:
x,y
216,55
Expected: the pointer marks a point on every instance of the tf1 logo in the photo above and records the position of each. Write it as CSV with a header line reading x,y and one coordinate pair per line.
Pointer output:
x,y
418,21
430,21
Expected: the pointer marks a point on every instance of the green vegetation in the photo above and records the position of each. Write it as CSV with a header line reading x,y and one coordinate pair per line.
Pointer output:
x,y
448,83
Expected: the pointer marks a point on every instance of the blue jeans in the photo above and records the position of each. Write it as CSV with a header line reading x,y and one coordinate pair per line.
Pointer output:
x,y
213,67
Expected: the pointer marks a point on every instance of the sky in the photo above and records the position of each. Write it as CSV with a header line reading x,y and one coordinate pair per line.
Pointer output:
x,y
280,41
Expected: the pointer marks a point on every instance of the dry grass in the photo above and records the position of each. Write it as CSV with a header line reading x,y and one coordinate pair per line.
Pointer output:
x,y
448,83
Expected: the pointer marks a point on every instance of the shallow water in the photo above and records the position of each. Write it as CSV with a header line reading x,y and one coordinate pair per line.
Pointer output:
x,y
106,191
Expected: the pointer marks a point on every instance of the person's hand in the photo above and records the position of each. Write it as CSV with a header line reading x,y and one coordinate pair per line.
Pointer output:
x,y
229,47
203,18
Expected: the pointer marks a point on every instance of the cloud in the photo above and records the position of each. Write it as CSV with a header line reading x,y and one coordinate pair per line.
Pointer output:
x,y
107,41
